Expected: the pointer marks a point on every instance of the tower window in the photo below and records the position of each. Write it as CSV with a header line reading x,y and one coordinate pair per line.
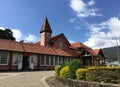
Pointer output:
x,y
48,35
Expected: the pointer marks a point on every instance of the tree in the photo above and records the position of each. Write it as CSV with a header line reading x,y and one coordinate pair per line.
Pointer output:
x,y
6,34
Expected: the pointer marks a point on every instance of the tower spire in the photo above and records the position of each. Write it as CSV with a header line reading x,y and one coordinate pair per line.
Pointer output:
x,y
46,27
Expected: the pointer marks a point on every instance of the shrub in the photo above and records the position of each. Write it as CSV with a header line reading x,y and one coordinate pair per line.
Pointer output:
x,y
64,72
104,74
58,68
81,74
73,66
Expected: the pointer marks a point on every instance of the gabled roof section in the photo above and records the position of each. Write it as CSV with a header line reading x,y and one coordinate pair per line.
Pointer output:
x,y
80,45
53,39
99,52
96,51
46,27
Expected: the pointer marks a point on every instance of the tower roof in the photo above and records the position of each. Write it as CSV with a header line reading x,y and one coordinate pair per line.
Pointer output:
x,y
46,27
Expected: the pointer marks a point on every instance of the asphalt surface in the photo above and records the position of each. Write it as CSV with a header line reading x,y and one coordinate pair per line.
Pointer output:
x,y
27,79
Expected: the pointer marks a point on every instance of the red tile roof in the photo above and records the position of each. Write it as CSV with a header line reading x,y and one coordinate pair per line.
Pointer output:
x,y
36,48
80,45
10,45
99,52
31,48
96,51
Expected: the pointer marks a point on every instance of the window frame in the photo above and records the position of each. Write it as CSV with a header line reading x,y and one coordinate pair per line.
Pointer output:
x,y
44,56
6,59
16,57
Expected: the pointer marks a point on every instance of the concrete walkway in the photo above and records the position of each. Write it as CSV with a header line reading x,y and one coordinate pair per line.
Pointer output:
x,y
25,79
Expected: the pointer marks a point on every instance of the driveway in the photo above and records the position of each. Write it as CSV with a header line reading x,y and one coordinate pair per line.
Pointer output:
x,y
24,79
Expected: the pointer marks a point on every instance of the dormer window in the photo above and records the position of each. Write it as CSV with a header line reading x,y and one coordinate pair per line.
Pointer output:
x,y
60,44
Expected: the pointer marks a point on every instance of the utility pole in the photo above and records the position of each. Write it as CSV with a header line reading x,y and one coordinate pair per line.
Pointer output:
x,y
117,51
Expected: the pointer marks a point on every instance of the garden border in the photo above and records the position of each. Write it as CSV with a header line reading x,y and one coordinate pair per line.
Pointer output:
x,y
77,83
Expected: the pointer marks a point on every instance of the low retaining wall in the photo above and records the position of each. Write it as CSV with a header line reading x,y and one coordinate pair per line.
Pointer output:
x,y
78,83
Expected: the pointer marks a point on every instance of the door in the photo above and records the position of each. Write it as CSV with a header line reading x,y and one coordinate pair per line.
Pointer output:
x,y
31,61
20,62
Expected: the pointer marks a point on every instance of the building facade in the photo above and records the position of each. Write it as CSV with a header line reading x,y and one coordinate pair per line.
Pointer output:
x,y
47,53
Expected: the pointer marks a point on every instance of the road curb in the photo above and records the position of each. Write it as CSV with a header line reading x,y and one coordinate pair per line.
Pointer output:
x,y
44,82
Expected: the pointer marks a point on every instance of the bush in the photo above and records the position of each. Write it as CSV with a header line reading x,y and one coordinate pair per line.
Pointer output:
x,y
103,74
73,66
81,74
64,72
58,68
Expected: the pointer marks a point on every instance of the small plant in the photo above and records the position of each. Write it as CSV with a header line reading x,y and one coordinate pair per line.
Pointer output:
x,y
64,72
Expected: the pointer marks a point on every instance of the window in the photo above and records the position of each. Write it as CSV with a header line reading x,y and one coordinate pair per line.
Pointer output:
x,y
61,60
42,59
60,44
47,60
69,59
52,60
20,59
3,57
31,59
48,35
35,59
56,60
15,59
65,60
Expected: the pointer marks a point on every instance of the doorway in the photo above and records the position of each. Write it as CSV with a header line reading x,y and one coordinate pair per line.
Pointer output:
x,y
25,63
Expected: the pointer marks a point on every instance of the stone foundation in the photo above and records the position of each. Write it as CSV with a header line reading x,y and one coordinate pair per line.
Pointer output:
x,y
78,83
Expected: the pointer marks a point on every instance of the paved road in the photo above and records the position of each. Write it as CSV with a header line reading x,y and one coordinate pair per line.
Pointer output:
x,y
24,79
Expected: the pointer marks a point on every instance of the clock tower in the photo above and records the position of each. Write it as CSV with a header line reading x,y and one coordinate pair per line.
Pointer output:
x,y
45,33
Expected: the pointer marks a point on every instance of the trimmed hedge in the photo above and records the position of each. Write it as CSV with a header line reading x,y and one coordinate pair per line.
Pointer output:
x,y
64,72
58,69
107,75
81,73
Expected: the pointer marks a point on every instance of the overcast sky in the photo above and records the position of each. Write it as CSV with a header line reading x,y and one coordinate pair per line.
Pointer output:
x,y
95,23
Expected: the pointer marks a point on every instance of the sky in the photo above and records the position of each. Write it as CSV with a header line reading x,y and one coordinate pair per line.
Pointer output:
x,y
96,23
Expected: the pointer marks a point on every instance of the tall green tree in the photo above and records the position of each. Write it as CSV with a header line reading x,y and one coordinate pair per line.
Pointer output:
x,y
6,34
